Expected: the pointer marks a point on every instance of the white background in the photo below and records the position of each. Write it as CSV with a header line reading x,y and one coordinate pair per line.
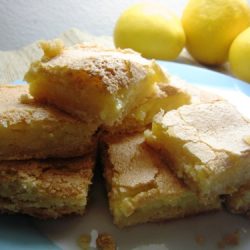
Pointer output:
x,y
24,21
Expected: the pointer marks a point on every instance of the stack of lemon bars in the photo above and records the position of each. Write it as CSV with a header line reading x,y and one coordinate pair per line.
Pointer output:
x,y
168,150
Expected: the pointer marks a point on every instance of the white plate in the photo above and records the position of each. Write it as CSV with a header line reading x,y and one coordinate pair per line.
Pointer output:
x,y
20,232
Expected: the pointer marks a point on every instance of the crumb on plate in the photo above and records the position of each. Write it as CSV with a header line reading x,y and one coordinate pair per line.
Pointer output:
x,y
230,239
200,239
105,241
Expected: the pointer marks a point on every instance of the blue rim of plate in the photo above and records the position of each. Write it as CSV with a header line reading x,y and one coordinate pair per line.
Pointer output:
x,y
206,77
18,232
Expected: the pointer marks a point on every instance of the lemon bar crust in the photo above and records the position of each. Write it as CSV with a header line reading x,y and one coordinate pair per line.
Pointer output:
x,y
94,83
31,130
207,146
45,189
141,188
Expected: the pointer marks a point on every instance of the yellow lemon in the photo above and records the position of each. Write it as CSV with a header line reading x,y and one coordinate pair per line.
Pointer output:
x,y
150,29
239,56
211,26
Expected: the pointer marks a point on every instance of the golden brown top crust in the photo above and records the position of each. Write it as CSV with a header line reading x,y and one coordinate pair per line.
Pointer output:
x,y
55,178
214,127
16,106
116,68
197,95
165,89
130,157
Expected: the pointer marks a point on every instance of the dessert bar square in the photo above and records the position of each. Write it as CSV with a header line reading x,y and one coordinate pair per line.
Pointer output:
x,y
91,82
46,189
30,130
207,146
141,188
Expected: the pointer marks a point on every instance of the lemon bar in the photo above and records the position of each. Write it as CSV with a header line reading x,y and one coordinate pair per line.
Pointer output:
x,y
45,189
207,145
29,130
93,83
141,187
239,202
167,96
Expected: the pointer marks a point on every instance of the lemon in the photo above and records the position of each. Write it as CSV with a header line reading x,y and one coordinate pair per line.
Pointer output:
x,y
239,56
211,26
150,29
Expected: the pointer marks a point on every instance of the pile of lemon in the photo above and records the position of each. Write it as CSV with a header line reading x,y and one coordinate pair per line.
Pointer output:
x,y
213,32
